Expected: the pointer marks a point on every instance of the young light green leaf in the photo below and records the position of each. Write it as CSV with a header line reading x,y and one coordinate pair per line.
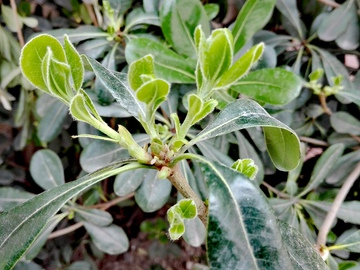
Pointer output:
x,y
22,224
153,192
282,143
10,197
241,67
275,86
75,63
345,123
335,23
142,66
179,18
31,63
116,83
247,167
112,239
176,230
168,65
212,10
249,237
46,169
153,90
252,17
323,166
95,216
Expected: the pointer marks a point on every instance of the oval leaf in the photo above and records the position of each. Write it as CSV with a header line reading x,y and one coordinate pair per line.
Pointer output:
x,y
345,123
275,86
153,192
128,182
112,239
95,216
46,169
168,65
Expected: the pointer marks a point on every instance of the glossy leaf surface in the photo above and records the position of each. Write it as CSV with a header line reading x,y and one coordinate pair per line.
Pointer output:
x,y
275,86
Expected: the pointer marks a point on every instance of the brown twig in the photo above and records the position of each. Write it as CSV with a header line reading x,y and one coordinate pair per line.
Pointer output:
x,y
276,191
18,29
313,141
329,3
66,230
326,109
90,10
339,199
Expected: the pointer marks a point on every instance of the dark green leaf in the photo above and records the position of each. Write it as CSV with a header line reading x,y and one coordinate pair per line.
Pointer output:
x,y
111,239
345,123
168,65
275,86
95,216
128,182
289,9
153,192
349,39
252,17
10,197
46,169
282,143
116,83
179,18
242,230
22,224
138,17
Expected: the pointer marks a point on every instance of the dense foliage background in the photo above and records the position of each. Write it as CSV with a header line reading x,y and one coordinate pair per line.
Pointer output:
x,y
317,40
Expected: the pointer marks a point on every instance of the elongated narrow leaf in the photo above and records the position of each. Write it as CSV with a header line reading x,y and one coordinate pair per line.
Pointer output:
x,y
179,18
345,123
242,230
282,143
116,83
301,252
22,224
252,17
289,9
10,197
323,166
111,239
168,65
335,23
153,192
79,34
46,169
350,242
275,86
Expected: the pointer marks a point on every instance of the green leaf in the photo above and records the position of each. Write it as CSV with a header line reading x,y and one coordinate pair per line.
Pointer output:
x,y
22,224
46,169
241,67
51,124
127,182
112,239
95,216
40,241
75,63
168,65
343,167
289,9
249,237
115,82
350,241
345,123
301,252
212,10
282,143
153,192
142,66
195,232
179,18
247,167
335,23
32,56
323,166
81,33
10,197
138,17
252,17
176,231
152,91
349,39
275,86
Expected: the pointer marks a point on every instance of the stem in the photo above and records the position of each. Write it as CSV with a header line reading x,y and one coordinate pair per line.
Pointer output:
x,y
326,109
91,14
181,184
107,205
313,141
18,30
340,197
277,192
66,230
